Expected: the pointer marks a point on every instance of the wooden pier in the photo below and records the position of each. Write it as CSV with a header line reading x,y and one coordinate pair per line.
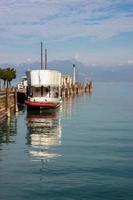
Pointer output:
x,y
75,89
10,99
8,102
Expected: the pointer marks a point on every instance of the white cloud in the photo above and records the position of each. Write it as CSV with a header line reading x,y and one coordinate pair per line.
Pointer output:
x,y
29,59
54,20
130,61
27,22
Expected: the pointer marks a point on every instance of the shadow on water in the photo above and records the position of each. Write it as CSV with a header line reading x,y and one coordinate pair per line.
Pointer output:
x,y
43,134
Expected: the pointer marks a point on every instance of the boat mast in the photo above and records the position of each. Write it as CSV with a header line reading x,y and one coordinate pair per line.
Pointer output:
x,y
41,55
45,58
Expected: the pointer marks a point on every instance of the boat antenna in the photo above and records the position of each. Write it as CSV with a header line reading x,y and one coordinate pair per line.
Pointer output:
x,y
41,55
45,58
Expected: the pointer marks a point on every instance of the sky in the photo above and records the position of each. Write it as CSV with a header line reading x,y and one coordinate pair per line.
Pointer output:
x,y
95,32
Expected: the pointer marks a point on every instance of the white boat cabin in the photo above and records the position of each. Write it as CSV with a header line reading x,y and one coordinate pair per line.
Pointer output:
x,y
44,83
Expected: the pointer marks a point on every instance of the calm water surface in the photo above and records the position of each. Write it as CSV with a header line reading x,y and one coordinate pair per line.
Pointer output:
x,y
84,151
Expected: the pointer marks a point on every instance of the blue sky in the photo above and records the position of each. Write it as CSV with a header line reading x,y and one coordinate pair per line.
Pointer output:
x,y
95,32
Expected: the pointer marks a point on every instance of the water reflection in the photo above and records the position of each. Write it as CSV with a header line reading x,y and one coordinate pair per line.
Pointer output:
x,y
8,129
66,106
69,102
44,133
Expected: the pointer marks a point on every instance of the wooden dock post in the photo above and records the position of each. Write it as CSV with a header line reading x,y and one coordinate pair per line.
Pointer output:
x,y
90,86
15,101
8,102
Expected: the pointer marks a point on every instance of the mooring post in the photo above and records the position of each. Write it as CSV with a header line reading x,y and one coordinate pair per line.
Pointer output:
x,y
90,86
8,102
16,101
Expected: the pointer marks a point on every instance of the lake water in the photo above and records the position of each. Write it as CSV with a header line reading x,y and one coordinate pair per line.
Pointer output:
x,y
84,151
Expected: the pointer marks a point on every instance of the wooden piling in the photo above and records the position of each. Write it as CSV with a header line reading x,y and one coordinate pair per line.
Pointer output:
x,y
8,102
15,101
75,89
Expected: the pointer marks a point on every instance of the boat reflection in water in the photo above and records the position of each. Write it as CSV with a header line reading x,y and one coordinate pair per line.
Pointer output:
x,y
44,135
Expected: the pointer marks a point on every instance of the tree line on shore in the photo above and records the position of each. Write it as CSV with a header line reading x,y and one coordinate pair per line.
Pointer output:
x,y
7,75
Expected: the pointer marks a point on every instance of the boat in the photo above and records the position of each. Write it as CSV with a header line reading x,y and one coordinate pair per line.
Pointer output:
x,y
42,103
21,92
23,84
43,89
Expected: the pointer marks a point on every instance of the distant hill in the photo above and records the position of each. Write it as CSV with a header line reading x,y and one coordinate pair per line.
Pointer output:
x,y
84,72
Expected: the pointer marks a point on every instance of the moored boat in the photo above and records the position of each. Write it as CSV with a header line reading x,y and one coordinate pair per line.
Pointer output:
x,y
43,89
42,103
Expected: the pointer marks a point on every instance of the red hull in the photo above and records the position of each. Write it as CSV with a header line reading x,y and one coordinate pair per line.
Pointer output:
x,y
45,105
